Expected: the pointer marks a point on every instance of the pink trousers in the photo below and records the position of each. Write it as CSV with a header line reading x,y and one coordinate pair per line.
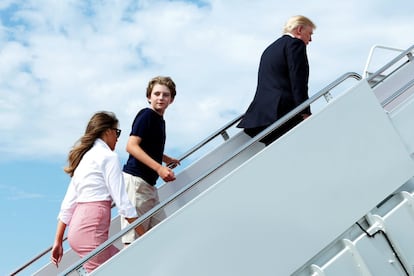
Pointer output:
x,y
88,229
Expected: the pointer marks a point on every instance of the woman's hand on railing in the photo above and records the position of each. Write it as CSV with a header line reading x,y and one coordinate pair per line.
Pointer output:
x,y
139,229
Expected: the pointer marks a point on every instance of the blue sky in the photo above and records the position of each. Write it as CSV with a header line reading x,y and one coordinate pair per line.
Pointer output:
x,y
61,61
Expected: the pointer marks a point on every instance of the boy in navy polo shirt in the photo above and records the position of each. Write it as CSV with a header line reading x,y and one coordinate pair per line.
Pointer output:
x,y
146,154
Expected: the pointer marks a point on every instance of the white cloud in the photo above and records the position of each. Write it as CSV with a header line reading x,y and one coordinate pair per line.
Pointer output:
x,y
61,61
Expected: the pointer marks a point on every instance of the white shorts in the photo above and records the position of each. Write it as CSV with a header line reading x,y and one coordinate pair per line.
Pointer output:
x,y
144,197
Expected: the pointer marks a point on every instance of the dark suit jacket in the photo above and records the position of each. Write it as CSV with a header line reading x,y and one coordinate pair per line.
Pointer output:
x,y
282,83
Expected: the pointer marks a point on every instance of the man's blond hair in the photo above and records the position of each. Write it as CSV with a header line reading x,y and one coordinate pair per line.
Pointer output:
x,y
296,21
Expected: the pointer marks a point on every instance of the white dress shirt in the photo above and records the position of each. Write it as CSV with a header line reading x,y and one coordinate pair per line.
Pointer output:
x,y
98,177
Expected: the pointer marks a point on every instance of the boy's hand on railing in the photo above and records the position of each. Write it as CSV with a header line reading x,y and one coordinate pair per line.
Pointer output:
x,y
166,174
171,162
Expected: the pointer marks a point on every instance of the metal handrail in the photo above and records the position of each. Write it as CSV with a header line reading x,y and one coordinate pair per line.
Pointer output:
x,y
218,132
161,205
398,93
392,62
371,54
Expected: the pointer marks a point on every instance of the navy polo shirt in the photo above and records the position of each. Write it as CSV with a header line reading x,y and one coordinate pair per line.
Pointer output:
x,y
150,127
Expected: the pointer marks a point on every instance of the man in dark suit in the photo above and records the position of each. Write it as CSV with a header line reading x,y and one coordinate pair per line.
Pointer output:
x,y
282,82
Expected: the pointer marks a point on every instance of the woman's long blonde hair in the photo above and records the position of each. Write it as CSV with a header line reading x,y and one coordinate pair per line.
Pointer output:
x,y
98,124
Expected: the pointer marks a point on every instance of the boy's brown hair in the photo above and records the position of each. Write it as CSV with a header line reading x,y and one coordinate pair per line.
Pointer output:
x,y
167,81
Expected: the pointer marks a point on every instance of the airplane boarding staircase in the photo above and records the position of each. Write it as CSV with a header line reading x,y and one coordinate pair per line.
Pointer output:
x,y
245,209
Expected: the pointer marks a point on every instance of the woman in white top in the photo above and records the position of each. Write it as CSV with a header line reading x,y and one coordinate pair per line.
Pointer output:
x,y
96,181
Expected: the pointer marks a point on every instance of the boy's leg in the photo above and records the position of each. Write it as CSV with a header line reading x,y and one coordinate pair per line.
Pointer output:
x,y
146,199
160,215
